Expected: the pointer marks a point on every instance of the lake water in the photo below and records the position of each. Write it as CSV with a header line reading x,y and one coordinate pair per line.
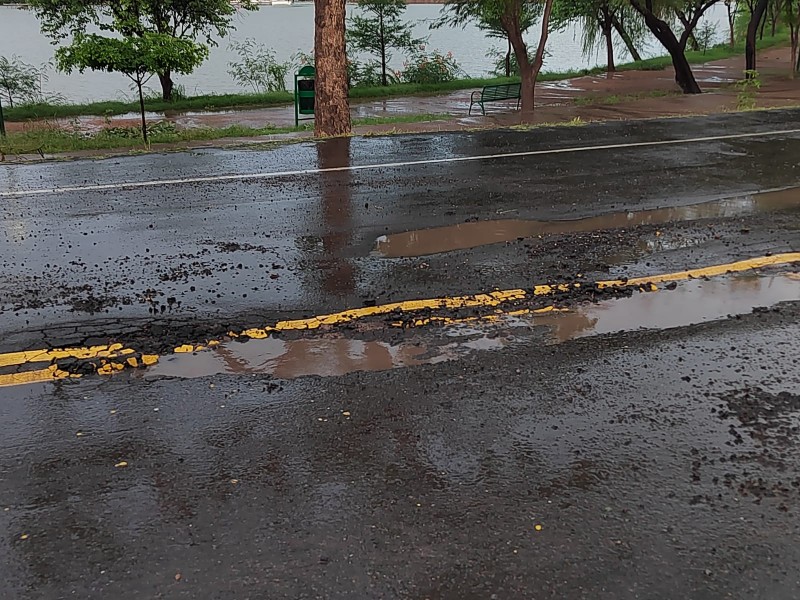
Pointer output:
x,y
287,30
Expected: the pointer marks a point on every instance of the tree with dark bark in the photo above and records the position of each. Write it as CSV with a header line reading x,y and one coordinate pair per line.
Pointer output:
x,y
757,14
628,26
190,20
657,14
331,106
379,28
511,15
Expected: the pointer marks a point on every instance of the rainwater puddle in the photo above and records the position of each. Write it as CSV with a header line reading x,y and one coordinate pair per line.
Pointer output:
x,y
324,356
693,302
423,242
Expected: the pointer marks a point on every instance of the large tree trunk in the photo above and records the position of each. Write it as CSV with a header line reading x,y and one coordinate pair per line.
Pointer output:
x,y
626,38
331,108
167,85
661,30
752,30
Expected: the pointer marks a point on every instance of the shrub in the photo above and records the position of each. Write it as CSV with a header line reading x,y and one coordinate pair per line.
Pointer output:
x,y
430,67
257,67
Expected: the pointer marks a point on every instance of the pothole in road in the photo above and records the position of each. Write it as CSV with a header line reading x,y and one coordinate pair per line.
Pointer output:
x,y
423,242
324,356
692,302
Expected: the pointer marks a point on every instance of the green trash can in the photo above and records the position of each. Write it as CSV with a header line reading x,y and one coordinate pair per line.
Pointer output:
x,y
304,94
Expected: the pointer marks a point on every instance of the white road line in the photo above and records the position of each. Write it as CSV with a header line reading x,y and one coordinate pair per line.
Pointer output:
x,y
412,163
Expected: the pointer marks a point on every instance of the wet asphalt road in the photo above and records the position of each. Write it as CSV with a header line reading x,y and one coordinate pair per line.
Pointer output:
x,y
647,464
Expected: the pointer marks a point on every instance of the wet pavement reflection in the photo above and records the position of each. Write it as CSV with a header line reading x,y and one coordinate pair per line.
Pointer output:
x,y
462,236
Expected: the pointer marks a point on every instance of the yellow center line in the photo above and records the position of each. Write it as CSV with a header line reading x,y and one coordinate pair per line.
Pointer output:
x,y
50,373
107,354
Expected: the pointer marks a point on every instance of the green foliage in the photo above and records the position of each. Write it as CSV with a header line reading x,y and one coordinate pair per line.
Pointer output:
x,y
138,58
704,36
747,89
377,29
19,81
257,67
180,19
591,15
370,73
430,67
492,16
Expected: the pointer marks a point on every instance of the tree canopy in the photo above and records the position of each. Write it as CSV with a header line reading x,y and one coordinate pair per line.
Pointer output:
x,y
195,20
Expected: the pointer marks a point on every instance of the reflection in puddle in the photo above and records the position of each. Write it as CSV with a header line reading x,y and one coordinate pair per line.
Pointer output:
x,y
693,302
481,233
325,356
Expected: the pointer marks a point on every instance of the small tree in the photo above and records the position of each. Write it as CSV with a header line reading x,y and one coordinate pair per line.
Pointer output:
x,y
19,81
379,28
138,58
190,20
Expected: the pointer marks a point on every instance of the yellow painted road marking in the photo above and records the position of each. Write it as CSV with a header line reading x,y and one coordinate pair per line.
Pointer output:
x,y
107,354
51,373
34,356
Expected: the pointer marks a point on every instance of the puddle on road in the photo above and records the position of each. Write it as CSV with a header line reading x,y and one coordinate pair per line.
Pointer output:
x,y
324,356
423,242
693,302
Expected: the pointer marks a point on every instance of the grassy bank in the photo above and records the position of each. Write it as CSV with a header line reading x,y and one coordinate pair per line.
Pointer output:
x,y
238,101
53,140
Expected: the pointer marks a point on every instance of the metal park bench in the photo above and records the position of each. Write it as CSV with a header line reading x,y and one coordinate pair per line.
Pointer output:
x,y
495,93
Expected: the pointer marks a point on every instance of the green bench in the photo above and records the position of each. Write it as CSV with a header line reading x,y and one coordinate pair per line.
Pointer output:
x,y
495,93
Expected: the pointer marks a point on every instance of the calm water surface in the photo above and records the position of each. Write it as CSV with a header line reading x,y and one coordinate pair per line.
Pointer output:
x,y
288,29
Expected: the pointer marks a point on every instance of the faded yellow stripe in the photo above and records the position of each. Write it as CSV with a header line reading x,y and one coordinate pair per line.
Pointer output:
x,y
51,373
713,271
34,356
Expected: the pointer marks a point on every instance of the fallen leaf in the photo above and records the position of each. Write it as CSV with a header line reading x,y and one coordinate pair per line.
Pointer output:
x,y
24,536
346,413
121,464
178,576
